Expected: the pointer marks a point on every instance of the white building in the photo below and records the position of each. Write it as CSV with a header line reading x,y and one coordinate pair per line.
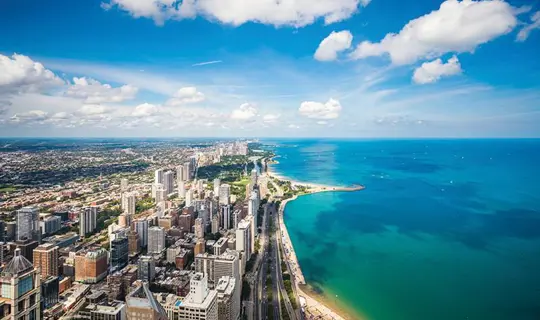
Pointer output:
x,y
224,194
200,303
216,187
27,223
124,184
156,239
189,197
243,237
87,220
160,192
181,189
128,202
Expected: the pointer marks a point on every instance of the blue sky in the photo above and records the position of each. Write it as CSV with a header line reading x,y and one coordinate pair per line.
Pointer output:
x,y
341,68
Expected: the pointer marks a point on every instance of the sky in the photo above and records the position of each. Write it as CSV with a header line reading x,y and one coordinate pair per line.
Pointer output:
x,y
267,68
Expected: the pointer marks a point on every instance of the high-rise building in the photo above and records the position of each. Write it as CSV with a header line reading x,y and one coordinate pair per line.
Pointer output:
x,y
189,197
141,227
253,177
236,218
187,171
124,184
228,299
27,247
156,239
199,247
216,187
181,189
46,260
220,246
225,216
142,305
133,242
87,221
243,237
200,303
215,224
21,290
199,228
128,202
158,176
253,207
224,194
91,265
161,193
49,292
124,220
28,223
146,269
50,225
184,222
180,177
119,253
168,182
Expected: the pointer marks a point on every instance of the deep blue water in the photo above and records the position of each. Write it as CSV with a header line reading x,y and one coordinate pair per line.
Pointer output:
x,y
445,229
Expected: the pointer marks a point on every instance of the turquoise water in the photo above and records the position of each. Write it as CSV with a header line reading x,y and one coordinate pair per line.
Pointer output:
x,y
445,229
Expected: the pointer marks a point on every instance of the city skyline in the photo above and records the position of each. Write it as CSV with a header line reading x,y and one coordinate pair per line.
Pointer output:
x,y
347,68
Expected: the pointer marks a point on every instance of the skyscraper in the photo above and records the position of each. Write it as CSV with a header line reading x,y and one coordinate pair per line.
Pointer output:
x,y
216,187
146,269
124,184
243,238
161,193
87,221
119,253
180,174
228,298
133,242
224,194
225,216
253,177
21,290
156,239
28,223
46,260
187,171
200,303
199,228
189,197
168,182
128,202
141,227
158,176
181,189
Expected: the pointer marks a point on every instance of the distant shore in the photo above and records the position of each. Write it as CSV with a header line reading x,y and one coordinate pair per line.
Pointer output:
x,y
315,303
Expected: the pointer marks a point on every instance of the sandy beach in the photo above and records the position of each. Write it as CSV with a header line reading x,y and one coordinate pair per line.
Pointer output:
x,y
314,304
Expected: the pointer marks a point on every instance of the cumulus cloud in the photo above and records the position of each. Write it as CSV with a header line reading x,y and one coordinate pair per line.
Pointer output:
x,y
457,26
93,91
317,110
296,13
270,118
430,72
19,73
145,110
32,116
185,95
525,31
332,45
93,109
245,112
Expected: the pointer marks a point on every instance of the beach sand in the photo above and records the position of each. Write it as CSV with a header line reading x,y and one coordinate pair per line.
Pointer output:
x,y
317,304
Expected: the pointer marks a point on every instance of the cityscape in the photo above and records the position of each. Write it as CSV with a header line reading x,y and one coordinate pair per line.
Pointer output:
x,y
128,233
269,160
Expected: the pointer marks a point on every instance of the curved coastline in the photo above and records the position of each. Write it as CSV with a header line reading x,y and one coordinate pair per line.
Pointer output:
x,y
310,300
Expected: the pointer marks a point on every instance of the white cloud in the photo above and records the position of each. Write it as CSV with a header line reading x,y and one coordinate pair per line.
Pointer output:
x,y
19,73
322,122
457,26
145,110
245,112
270,118
32,116
333,44
430,72
185,95
318,110
93,91
206,63
93,109
535,24
296,13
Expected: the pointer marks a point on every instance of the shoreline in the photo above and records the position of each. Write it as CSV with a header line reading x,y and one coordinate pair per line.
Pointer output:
x,y
311,301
